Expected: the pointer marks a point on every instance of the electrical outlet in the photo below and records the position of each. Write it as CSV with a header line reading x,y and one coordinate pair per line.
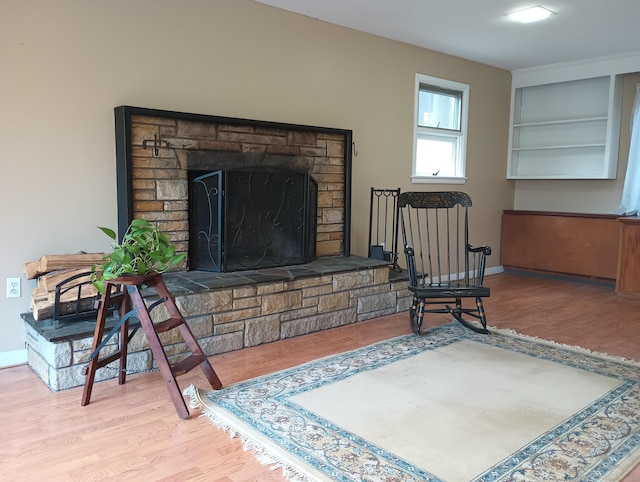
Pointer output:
x,y
13,287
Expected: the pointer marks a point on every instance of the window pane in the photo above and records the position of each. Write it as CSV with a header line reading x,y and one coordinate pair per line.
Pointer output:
x,y
438,108
436,156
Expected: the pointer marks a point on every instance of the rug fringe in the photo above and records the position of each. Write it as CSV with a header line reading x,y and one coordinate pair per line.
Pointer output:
x,y
579,349
270,455
263,456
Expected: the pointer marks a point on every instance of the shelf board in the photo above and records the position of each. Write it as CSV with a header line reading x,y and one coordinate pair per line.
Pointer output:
x,y
564,176
545,148
561,121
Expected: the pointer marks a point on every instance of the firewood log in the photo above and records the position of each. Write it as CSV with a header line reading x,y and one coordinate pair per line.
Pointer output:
x,y
43,310
49,280
53,262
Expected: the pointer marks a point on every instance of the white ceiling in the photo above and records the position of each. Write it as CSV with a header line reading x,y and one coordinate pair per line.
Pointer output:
x,y
479,30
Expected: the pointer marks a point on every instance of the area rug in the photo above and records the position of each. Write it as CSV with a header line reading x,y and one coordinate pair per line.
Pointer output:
x,y
451,405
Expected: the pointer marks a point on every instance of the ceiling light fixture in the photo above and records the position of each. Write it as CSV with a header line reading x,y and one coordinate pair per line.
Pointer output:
x,y
532,14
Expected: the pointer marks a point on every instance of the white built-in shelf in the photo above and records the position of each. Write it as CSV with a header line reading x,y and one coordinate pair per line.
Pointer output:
x,y
565,130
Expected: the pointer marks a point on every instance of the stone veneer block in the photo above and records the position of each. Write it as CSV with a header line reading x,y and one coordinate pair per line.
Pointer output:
x,y
139,341
87,343
302,326
375,314
333,302
245,292
56,354
82,356
329,248
310,302
205,303
38,364
308,282
222,343
335,149
226,317
301,313
172,190
277,303
175,350
379,302
381,275
72,376
332,216
325,199
269,288
201,326
404,303
242,303
159,312
352,279
170,337
368,290
317,290
262,330
225,328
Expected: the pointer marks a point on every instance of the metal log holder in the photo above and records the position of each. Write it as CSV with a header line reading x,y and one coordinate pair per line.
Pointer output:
x,y
84,307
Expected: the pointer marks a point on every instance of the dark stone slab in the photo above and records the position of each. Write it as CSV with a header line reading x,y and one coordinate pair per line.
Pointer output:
x,y
64,330
187,282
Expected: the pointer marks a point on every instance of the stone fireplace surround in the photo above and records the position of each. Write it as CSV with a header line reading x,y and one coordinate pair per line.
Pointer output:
x,y
155,149
228,311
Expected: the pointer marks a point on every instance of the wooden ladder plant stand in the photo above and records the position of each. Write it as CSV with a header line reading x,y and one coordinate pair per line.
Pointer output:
x,y
126,291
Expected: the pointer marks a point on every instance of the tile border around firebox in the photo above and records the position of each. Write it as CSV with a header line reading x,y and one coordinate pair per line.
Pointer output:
x,y
231,311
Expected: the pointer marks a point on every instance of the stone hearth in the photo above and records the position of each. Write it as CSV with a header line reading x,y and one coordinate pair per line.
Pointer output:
x,y
156,152
231,311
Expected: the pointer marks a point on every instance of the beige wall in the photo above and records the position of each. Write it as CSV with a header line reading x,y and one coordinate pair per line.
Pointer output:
x,y
66,64
584,196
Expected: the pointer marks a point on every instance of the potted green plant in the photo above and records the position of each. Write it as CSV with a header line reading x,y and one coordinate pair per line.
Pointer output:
x,y
144,249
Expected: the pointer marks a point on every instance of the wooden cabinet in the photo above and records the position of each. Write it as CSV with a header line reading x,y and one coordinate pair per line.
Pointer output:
x,y
584,245
628,279
565,130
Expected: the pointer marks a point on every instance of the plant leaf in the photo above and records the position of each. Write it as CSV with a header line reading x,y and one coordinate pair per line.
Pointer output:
x,y
140,223
109,232
143,249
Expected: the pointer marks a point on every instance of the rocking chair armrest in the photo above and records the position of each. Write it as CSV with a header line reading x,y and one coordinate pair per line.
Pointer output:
x,y
411,265
484,249
480,254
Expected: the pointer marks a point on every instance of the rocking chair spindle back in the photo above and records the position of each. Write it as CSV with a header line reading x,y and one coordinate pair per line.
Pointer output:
x,y
444,268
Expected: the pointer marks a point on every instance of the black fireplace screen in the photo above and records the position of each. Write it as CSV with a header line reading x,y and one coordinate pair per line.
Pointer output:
x,y
251,218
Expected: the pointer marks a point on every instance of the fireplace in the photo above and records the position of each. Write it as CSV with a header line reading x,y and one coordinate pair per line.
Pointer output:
x,y
160,154
251,218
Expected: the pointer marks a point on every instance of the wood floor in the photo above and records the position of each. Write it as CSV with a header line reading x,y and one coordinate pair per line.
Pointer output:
x,y
132,432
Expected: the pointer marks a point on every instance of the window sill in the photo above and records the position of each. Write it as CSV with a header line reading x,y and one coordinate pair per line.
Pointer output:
x,y
437,180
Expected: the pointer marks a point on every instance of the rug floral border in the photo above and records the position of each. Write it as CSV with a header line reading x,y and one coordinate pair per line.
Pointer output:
x,y
587,447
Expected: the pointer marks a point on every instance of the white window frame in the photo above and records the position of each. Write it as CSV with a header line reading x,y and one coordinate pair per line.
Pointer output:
x,y
461,161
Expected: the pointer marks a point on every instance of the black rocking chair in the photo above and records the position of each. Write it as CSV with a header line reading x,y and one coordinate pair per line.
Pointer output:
x,y
443,267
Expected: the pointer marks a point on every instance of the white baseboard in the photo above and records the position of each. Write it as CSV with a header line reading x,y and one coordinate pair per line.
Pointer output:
x,y
494,270
10,358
